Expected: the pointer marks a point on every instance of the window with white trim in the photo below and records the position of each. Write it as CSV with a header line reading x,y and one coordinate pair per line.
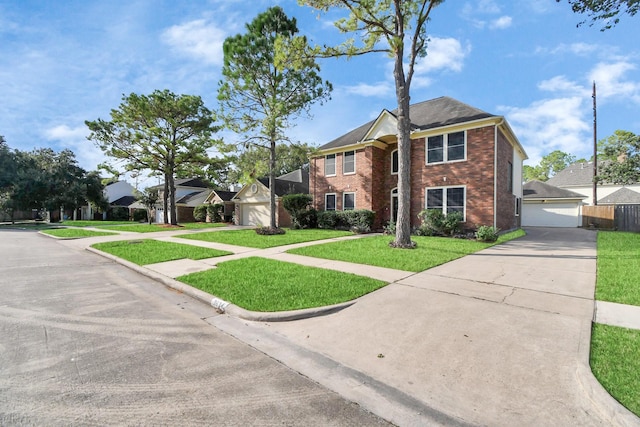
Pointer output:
x,y
330,165
349,162
348,201
446,148
394,162
330,202
446,199
518,206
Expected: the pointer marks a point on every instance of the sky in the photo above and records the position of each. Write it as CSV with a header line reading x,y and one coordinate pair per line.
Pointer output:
x,y
66,61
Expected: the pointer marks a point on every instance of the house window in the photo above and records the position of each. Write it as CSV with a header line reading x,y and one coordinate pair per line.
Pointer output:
x,y
394,162
510,177
446,199
348,201
446,148
349,162
330,202
330,165
518,205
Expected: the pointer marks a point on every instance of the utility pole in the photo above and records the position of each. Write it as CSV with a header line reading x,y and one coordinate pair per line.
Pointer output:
x,y
595,148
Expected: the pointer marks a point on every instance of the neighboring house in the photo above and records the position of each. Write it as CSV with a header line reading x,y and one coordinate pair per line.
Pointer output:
x,y
190,192
117,194
222,197
462,159
545,205
252,201
623,196
578,177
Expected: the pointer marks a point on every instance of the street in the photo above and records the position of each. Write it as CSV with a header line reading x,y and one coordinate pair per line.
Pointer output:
x,y
85,341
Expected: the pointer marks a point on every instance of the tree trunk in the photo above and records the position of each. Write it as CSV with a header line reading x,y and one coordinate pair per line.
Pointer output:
x,y
272,184
172,200
165,199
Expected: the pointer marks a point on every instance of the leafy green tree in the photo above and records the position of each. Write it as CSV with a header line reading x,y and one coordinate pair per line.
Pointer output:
x,y
254,161
148,198
550,165
163,133
397,28
7,164
534,173
262,91
608,11
622,150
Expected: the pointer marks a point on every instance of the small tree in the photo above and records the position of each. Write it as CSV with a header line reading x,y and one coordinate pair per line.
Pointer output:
x,y
148,198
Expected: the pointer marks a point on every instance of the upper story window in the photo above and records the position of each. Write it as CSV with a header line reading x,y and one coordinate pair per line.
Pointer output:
x,y
330,165
447,199
446,148
349,162
394,162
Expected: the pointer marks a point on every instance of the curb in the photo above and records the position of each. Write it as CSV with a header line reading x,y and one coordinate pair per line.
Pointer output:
x,y
225,307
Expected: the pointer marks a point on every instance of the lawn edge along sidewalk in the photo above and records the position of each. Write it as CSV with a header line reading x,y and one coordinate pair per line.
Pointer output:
x,y
223,306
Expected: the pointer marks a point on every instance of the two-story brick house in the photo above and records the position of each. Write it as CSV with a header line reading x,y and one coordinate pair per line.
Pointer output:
x,y
462,159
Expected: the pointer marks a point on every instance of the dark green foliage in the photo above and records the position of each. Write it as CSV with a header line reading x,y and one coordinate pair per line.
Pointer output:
x,y
118,213
604,10
358,221
200,213
308,218
215,212
435,223
140,215
269,231
486,233
297,205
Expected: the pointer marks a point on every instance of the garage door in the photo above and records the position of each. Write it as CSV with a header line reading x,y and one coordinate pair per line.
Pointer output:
x,y
256,214
550,215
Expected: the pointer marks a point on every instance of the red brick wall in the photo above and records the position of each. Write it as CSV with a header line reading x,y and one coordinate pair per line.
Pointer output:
x,y
506,219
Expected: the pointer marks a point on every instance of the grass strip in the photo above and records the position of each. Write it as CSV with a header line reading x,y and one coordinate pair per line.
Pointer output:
x,y
618,267
431,251
149,251
260,284
91,223
154,228
251,239
75,233
615,363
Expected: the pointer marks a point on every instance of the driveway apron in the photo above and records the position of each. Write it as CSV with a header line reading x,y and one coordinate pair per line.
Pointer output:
x,y
497,338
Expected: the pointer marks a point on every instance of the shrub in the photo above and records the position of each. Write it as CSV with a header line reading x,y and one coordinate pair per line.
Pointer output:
x,y
297,205
390,228
308,218
118,214
486,233
200,213
452,223
268,231
140,215
327,219
215,212
435,223
358,221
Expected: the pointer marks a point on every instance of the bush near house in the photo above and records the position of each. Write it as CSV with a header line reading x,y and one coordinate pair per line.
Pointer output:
x,y
118,214
215,212
435,223
140,215
358,221
299,208
200,213
486,233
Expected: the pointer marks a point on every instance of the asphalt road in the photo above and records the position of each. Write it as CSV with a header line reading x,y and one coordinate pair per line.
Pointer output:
x,y
85,341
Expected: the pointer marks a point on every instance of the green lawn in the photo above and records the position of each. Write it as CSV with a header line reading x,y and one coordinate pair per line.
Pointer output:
x,y
615,362
150,251
250,238
618,267
431,251
153,228
74,233
265,285
95,223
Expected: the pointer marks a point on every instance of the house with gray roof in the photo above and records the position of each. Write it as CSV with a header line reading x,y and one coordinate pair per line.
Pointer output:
x,y
463,159
545,205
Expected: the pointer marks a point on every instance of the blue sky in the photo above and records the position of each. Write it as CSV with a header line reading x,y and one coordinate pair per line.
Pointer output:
x,y
63,62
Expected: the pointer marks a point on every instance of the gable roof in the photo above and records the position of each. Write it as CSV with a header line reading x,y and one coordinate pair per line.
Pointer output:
x,y
225,195
186,182
284,187
623,196
438,112
535,190
194,198
123,201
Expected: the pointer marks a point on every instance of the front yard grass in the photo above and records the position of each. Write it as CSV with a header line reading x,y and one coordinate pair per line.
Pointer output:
x,y
151,251
615,363
286,286
251,239
618,267
153,228
74,233
431,251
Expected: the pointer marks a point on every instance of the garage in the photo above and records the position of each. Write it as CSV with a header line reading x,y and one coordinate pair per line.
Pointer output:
x,y
255,214
547,206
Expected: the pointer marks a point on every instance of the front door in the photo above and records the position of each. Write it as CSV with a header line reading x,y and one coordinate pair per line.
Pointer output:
x,y
394,205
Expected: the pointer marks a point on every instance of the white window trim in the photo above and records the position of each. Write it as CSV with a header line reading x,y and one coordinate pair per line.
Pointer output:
x,y
335,161
444,198
354,162
445,151
344,197
335,198
396,172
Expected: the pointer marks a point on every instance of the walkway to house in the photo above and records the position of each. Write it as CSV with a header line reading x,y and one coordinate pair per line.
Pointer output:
x,y
500,337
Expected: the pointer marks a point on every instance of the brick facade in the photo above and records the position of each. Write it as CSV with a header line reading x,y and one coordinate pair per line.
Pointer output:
x,y
373,181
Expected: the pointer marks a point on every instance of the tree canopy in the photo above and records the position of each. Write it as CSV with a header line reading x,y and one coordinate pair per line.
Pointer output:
x,y
397,28
263,89
608,11
621,152
549,165
162,133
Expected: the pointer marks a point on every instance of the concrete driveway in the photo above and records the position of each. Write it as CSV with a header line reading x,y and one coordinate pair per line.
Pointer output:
x,y
497,338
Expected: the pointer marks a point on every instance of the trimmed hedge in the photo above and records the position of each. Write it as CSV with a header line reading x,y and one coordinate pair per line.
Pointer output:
x,y
358,221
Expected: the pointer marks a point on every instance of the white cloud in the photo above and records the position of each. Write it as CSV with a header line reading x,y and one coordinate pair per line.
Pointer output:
x,y
75,139
443,54
560,84
611,81
578,49
382,89
198,39
501,23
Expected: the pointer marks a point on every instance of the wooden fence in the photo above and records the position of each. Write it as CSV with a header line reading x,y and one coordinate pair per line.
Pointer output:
x,y
618,217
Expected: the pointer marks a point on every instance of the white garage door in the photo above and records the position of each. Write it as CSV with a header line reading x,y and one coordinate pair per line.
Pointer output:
x,y
256,214
550,215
